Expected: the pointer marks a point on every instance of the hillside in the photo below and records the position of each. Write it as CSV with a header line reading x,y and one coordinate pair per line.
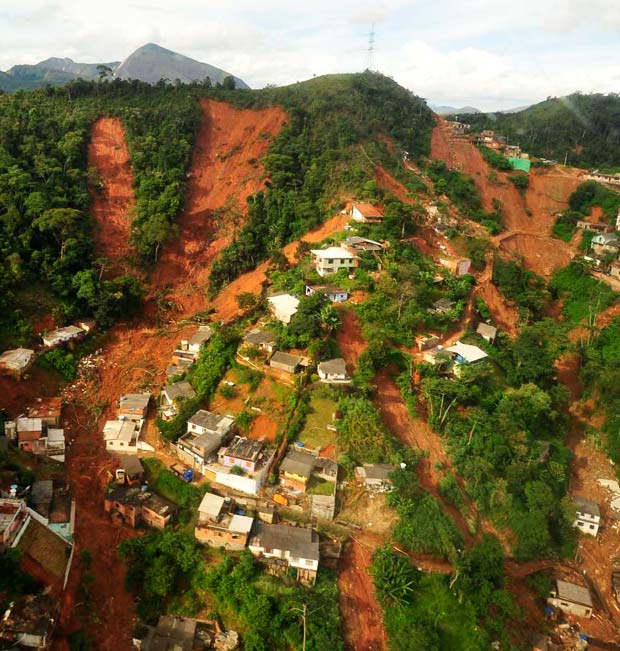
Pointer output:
x,y
582,128
149,63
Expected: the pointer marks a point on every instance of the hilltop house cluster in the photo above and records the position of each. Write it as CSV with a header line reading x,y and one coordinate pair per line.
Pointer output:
x,y
604,250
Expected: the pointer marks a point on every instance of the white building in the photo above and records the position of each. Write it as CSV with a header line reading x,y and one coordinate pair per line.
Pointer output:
x,y
298,546
333,370
122,436
333,259
571,599
588,516
62,336
16,361
366,213
283,307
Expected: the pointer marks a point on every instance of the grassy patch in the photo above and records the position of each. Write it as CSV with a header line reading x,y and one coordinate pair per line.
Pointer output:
x,y
318,486
315,433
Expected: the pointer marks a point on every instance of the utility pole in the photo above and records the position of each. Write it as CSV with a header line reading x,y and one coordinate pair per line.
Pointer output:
x,y
371,47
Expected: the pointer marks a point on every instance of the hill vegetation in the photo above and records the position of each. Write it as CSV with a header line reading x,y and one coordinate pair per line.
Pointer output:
x,y
582,128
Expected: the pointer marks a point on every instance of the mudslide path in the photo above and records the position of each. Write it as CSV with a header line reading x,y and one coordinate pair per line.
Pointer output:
x,y
111,204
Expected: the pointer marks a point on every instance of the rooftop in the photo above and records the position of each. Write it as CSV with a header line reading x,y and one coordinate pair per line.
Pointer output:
x,y
42,492
334,366
119,430
468,352
368,210
328,289
8,510
134,401
179,390
333,252
204,333
244,448
45,408
174,634
32,614
298,541
46,548
211,506
16,358
585,505
298,462
211,421
486,330
135,496
68,332
286,358
130,464
240,523
258,337
577,594
356,241
379,471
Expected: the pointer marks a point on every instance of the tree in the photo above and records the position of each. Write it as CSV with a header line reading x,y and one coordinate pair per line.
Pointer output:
x,y
394,577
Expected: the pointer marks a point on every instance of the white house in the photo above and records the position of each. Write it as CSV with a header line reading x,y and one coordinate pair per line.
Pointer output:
x,y
172,395
62,336
366,213
17,361
283,306
588,516
487,332
205,435
195,343
122,436
458,266
605,243
333,293
466,353
571,599
333,370
333,259
298,546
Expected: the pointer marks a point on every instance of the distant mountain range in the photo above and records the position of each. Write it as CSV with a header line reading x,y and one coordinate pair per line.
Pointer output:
x,y
148,63
451,110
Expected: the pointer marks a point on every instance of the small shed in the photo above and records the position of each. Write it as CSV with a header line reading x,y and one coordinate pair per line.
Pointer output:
x,y
333,371
571,599
487,332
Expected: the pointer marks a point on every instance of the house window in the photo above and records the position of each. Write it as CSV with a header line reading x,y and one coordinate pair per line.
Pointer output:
x,y
309,563
268,550
563,603
330,261
591,526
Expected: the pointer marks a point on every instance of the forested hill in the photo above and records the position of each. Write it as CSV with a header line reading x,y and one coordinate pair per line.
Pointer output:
x,y
46,232
586,127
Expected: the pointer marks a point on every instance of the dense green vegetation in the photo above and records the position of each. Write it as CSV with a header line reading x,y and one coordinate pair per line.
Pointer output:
x,y
166,483
425,611
583,296
522,286
322,152
497,418
582,128
601,375
168,570
495,159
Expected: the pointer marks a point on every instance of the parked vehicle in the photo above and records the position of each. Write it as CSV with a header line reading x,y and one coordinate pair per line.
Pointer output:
x,y
183,472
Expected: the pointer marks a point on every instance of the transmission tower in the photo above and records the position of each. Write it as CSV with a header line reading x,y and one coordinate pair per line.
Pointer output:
x,y
371,48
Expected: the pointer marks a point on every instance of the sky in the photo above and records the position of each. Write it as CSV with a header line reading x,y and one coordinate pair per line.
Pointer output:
x,y
491,54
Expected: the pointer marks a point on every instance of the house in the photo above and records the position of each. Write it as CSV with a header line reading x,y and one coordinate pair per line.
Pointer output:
x,y
206,432
458,266
588,516
122,436
296,546
52,445
16,361
442,306
133,406
243,465
356,244
323,506
333,293
614,269
605,243
571,599
62,336
130,470
54,503
595,227
28,622
178,366
283,307
181,634
132,506
487,332
333,371
466,353
13,514
29,431
241,453
438,357
366,213
47,409
172,395
285,362
190,348
425,342
218,526
611,179
296,470
375,476
333,259
261,339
